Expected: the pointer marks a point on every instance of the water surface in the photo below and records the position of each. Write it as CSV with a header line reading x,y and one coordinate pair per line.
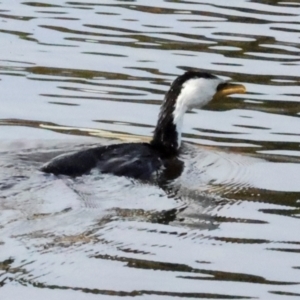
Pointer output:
x,y
75,74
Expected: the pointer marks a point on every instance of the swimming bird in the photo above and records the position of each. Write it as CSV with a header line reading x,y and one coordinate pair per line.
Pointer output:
x,y
146,161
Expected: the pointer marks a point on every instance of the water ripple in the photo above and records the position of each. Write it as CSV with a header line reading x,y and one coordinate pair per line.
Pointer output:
x,y
227,228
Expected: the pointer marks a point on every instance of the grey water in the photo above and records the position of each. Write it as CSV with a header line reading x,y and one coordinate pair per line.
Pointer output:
x,y
78,74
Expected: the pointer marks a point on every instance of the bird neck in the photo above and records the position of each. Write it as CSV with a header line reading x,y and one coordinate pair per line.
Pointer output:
x,y
167,133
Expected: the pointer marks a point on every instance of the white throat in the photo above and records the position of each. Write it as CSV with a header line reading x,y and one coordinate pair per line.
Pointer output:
x,y
195,92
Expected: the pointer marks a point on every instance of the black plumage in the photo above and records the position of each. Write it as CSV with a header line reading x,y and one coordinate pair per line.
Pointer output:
x,y
144,161
165,136
136,160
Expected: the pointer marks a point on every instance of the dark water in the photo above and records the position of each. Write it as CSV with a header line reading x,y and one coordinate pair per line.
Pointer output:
x,y
73,74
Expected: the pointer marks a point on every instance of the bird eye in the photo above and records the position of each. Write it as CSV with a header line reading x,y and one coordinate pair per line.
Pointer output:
x,y
221,86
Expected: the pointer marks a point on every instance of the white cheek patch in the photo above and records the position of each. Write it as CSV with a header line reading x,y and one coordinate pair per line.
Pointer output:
x,y
195,92
199,91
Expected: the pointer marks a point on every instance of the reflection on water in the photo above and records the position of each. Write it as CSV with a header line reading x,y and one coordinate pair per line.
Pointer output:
x,y
221,222
227,228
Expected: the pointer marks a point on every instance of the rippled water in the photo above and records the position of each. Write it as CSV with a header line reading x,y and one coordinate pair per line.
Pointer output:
x,y
73,74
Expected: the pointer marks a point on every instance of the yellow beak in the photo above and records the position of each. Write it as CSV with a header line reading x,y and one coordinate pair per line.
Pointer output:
x,y
225,89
